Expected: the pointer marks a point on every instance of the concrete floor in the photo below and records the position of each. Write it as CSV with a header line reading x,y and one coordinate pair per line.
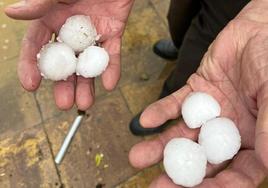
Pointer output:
x,y
32,128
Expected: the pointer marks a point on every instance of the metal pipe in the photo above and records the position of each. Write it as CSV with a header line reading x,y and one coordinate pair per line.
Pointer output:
x,y
69,137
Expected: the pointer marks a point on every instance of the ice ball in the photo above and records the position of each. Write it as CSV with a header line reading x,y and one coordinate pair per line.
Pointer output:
x,y
199,107
185,162
220,139
78,32
92,62
56,61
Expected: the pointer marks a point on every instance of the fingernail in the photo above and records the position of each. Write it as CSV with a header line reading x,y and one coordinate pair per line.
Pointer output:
x,y
18,4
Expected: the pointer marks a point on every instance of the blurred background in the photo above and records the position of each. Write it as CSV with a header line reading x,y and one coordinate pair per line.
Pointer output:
x,y
32,128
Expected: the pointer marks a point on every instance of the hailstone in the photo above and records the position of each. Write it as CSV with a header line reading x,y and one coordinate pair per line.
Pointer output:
x,y
199,107
92,62
56,61
220,139
78,32
185,162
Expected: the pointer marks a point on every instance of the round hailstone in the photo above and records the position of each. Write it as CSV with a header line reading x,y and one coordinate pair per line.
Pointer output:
x,y
199,107
56,61
220,139
78,32
185,162
92,62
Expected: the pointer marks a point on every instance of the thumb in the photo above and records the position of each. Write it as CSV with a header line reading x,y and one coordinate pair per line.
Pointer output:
x,y
31,9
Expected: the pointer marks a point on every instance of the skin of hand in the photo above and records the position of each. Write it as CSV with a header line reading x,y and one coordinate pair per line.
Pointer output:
x,y
109,18
234,71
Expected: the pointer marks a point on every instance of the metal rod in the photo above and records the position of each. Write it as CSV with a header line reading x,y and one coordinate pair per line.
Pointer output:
x,y
68,138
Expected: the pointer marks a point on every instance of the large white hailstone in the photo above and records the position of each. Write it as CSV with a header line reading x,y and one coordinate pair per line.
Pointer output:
x,y
56,61
185,162
78,32
199,107
92,62
220,139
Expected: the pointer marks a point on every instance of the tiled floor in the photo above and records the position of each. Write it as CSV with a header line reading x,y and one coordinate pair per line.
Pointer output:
x,y
32,128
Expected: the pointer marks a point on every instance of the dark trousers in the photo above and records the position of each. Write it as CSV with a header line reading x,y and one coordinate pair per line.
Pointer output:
x,y
193,25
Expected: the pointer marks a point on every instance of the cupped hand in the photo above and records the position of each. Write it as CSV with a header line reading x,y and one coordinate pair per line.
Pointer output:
x,y
109,17
234,71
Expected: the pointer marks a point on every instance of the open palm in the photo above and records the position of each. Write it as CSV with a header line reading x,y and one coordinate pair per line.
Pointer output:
x,y
234,70
109,17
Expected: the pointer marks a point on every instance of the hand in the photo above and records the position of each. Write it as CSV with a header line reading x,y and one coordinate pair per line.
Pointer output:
x,y
109,17
234,70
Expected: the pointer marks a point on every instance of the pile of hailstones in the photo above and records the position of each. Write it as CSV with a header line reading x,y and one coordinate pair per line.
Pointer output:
x,y
77,37
185,161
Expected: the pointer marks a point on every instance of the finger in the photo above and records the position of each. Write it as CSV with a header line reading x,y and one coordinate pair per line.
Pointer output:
x,y
163,181
213,169
29,9
165,109
64,93
149,152
228,178
32,9
84,93
261,142
37,35
111,75
245,171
